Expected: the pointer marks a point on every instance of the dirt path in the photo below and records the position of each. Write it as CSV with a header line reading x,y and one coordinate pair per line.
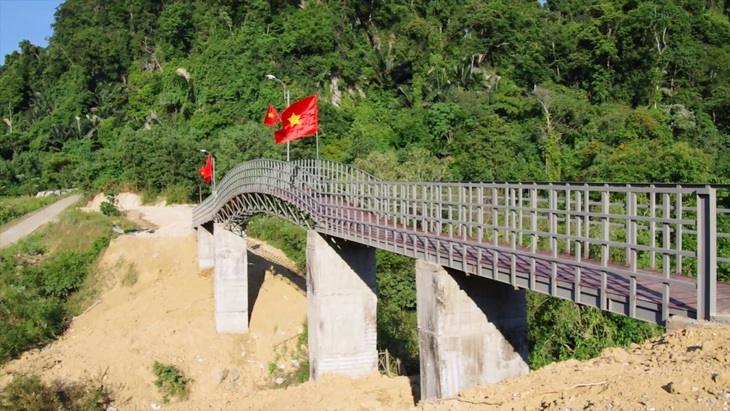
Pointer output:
x,y
35,220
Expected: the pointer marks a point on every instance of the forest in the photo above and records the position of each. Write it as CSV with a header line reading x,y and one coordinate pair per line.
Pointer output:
x,y
128,92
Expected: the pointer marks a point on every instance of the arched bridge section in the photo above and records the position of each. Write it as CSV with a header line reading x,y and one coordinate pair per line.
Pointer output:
x,y
646,251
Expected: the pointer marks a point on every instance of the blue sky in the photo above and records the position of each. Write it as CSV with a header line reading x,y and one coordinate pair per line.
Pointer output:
x,y
25,20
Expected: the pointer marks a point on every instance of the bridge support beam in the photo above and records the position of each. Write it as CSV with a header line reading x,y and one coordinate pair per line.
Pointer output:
x,y
472,331
341,307
206,246
230,278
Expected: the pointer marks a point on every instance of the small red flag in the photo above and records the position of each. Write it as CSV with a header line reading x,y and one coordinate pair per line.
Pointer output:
x,y
271,116
207,170
298,120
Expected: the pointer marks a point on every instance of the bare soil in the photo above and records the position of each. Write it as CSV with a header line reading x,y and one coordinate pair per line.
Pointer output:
x,y
156,305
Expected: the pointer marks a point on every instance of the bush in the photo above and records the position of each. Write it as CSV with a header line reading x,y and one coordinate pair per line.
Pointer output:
x,y
560,330
64,274
27,320
109,209
170,381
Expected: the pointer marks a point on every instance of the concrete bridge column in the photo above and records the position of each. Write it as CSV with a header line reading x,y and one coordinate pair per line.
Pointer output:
x,y
341,307
206,246
472,331
230,281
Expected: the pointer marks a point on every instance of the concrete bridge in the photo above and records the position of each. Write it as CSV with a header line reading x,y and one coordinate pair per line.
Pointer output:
x,y
647,251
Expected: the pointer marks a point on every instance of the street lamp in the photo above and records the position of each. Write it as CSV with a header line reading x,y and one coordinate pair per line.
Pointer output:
x,y
204,151
286,100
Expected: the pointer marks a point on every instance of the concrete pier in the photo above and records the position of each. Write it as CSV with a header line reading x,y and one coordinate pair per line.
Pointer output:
x,y
472,331
206,246
230,277
341,307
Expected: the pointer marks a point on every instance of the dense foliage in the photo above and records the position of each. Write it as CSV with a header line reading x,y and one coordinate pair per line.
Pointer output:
x,y
128,91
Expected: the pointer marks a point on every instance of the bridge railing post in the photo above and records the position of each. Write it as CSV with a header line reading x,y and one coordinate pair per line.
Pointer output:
x,y
706,253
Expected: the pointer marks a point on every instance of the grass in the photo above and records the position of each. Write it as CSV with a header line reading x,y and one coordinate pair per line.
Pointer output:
x,y
14,208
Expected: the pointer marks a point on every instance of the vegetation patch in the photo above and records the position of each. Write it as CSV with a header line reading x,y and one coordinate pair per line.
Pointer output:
x,y
282,234
290,366
130,276
171,381
29,392
47,278
12,208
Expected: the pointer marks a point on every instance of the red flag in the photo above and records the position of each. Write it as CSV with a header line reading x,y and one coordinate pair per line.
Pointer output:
x,y
298,120
207,170
271,116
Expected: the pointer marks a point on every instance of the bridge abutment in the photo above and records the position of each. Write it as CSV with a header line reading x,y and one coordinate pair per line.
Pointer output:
x,y
206,246
472,331
230,281
341,307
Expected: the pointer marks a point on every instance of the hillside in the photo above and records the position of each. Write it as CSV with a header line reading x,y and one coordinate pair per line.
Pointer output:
x,y
128,92
158,306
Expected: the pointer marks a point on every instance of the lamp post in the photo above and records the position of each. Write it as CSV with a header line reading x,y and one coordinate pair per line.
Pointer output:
x,y
212,157
286,100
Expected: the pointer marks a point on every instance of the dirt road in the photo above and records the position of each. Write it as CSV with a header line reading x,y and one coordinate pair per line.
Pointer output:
x,y
32,222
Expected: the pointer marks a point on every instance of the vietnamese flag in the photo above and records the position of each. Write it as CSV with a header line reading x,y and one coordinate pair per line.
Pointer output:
x,y
271,116
207,170
298,120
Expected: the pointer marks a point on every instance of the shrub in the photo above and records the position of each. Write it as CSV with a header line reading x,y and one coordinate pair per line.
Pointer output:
x,y
170,381
64,274
109,209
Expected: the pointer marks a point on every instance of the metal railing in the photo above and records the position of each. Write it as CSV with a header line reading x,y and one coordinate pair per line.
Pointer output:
x,y
643,250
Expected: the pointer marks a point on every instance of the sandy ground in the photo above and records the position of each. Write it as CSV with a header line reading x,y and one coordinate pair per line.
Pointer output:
x,y
167,315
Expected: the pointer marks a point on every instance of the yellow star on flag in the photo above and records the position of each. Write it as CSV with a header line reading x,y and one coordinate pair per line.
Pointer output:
x,y
294,120
270,115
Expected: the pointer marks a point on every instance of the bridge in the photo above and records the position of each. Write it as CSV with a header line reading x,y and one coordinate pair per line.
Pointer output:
x,y
646,251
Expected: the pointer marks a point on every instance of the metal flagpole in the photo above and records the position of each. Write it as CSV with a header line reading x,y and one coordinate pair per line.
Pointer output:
x,y
286,96
317,134
286,99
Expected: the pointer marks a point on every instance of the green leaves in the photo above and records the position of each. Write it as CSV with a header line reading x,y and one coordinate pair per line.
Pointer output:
x,y
561,330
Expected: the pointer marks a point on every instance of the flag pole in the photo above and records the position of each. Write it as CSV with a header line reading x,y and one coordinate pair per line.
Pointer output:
x,y
215,193
286,99
286,95
317,134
